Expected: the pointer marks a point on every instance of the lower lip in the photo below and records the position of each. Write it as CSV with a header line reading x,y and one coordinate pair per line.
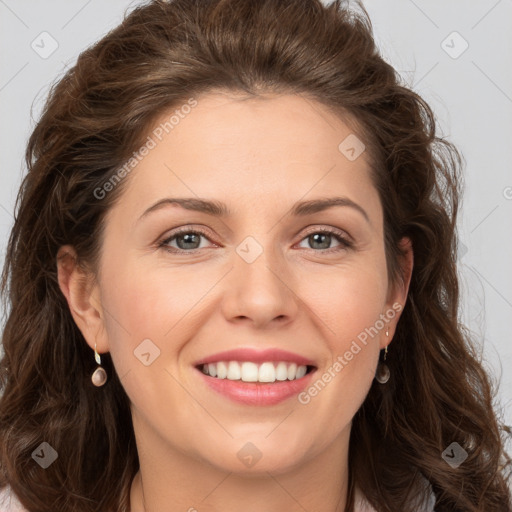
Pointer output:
x,y
257,393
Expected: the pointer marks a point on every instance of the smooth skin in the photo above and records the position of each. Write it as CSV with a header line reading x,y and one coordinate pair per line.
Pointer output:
x,y
304,294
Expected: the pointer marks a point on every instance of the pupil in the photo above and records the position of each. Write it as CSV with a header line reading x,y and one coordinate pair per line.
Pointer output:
x,y
317,237
188,239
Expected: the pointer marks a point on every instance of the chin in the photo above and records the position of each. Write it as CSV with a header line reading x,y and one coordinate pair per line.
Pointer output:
x,y
257,455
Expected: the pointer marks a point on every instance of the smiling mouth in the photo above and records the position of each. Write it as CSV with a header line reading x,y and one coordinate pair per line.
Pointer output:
x,y
248,371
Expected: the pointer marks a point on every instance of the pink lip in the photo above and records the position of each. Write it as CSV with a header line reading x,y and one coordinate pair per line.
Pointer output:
x,y
256,356
257,393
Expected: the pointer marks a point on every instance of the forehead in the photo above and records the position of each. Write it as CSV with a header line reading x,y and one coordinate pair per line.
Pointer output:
x,y
271,125
276,147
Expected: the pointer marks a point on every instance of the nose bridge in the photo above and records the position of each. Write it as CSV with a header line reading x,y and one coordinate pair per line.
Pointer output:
x,y
258,287
257,263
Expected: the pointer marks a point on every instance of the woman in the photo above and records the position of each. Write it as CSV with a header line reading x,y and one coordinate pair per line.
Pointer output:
x,y
177,340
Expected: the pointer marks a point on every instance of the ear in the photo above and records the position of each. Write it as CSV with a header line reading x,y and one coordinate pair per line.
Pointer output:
x,y
82,294
398,291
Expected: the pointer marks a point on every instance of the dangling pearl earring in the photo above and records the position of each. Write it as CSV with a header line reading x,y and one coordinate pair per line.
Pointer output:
x,y
99,377
382,374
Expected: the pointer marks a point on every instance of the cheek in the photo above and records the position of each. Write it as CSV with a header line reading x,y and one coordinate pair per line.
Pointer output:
x,y
349,300
349,308
160,305
135,311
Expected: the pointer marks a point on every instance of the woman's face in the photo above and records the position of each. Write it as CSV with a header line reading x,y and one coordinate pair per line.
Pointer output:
x,y
264,280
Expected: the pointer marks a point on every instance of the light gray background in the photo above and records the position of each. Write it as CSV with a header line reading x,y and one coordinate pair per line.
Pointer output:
x,y
470,92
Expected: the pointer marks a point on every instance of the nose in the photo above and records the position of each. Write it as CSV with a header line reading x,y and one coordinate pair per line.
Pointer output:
x,y
261,291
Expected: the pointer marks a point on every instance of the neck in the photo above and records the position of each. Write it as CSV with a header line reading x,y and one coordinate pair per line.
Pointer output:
x,y
175,482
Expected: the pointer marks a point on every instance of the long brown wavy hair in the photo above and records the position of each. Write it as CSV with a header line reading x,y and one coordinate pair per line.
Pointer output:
x,y
163,53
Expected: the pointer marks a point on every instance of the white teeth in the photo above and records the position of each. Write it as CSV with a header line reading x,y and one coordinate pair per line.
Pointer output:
x,y
301,371
249,372
222,370
292,371
212,369
267,373
281,371
233,371
252,372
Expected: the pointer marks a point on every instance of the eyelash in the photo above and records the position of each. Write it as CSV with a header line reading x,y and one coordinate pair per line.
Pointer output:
x,y
345,243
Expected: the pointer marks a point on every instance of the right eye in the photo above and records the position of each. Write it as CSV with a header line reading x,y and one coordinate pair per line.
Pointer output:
x,y
185,238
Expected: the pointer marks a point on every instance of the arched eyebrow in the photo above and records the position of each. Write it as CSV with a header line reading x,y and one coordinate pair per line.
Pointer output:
x,y
220,209
318,205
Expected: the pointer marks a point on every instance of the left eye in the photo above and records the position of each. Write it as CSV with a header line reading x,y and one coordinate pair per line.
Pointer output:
x,y
188,241
324,238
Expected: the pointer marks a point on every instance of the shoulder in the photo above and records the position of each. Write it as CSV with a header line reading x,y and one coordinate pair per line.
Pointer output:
x,y
362,505
9,501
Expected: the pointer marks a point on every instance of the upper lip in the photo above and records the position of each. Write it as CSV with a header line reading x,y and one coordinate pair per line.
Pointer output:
x,y
256,356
